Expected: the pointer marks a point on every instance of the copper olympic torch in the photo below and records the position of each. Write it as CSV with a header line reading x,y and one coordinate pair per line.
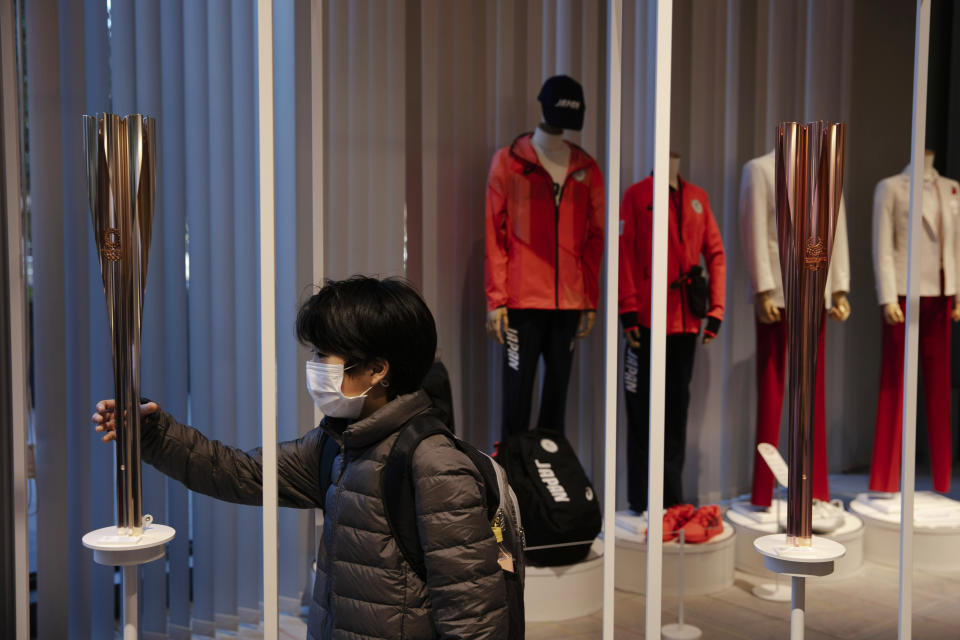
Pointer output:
x,y
121,174
809,184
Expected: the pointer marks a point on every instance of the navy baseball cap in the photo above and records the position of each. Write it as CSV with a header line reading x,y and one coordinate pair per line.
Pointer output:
x,y
562,101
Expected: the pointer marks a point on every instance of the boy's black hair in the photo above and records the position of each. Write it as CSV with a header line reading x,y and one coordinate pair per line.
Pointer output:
x,y
364,319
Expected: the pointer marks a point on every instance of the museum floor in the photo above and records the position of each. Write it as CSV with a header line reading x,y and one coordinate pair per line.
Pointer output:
x,y
863,607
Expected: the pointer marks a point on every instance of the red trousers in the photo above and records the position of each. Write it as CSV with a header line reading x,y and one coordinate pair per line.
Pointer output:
x,y
935,362
771,360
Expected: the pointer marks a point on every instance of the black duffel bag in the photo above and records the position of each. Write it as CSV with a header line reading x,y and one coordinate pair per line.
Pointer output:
x,y
557,503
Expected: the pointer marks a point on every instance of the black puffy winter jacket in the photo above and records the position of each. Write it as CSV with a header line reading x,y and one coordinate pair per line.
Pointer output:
x,y
364,586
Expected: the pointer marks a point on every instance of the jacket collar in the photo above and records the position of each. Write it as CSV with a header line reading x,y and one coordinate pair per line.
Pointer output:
x,y
680,183
379,424
673,224
522,149
931,176
929,173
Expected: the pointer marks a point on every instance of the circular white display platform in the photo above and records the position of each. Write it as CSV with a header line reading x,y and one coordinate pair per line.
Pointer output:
x,y
677,631
562,593
850,534
707,567
117,550
936,530
815,560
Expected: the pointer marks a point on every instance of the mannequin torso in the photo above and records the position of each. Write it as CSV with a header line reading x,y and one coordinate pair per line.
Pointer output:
x,y
939,235
553,153
758,229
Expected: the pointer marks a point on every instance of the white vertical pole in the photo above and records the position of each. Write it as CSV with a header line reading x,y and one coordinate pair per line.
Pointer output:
x,y
610,334
268,316
658,316
683,548
16,293
131,609
316,129
907,465
798,600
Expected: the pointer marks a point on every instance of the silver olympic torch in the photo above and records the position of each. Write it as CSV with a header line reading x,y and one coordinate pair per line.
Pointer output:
x,y
121,178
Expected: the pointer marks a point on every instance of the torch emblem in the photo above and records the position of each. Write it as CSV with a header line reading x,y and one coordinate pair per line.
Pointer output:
x,y
816,255
110,247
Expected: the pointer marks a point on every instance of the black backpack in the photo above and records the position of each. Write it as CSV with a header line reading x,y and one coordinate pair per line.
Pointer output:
x,y
437,386
558,504
398,494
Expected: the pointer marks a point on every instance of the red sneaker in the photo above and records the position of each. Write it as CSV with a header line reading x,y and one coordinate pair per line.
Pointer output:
x,y
674,518
706,523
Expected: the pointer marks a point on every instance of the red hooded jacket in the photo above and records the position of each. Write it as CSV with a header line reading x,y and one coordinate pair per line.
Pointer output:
x,y
700,235
541,255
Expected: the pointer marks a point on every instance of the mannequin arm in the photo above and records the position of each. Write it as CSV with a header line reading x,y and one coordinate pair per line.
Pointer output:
x,y
754,220
627,293
840,310
955,208
892,313
498,323
716,259
587,318
496,225
593,245
765,308
838,278
883,242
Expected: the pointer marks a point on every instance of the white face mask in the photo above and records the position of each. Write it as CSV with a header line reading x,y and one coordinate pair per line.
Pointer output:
x,y
324,382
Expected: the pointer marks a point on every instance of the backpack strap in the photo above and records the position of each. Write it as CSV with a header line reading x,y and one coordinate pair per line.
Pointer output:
x,y
397,484
397,488
488,475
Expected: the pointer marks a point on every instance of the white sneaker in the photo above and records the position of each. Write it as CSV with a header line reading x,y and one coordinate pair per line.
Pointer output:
x,y
632,522
827,516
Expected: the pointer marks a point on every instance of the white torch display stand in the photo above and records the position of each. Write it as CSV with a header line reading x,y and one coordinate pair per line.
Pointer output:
x,y
799,562
773,591
112,549
680,630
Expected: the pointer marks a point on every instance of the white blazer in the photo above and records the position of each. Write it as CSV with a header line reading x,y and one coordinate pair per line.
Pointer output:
x,y
758,234
940,207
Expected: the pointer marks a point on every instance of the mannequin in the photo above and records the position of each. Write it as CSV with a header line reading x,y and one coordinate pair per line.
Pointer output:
x,y
936,265
758,229
693,233
544,245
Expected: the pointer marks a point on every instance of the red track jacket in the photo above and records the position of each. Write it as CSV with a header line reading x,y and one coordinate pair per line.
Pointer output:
x,y
699,235
540,255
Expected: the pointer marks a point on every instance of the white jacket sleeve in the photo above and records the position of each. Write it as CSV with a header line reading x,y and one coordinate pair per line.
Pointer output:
x,y
950,209
838,280
884,223
753,228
